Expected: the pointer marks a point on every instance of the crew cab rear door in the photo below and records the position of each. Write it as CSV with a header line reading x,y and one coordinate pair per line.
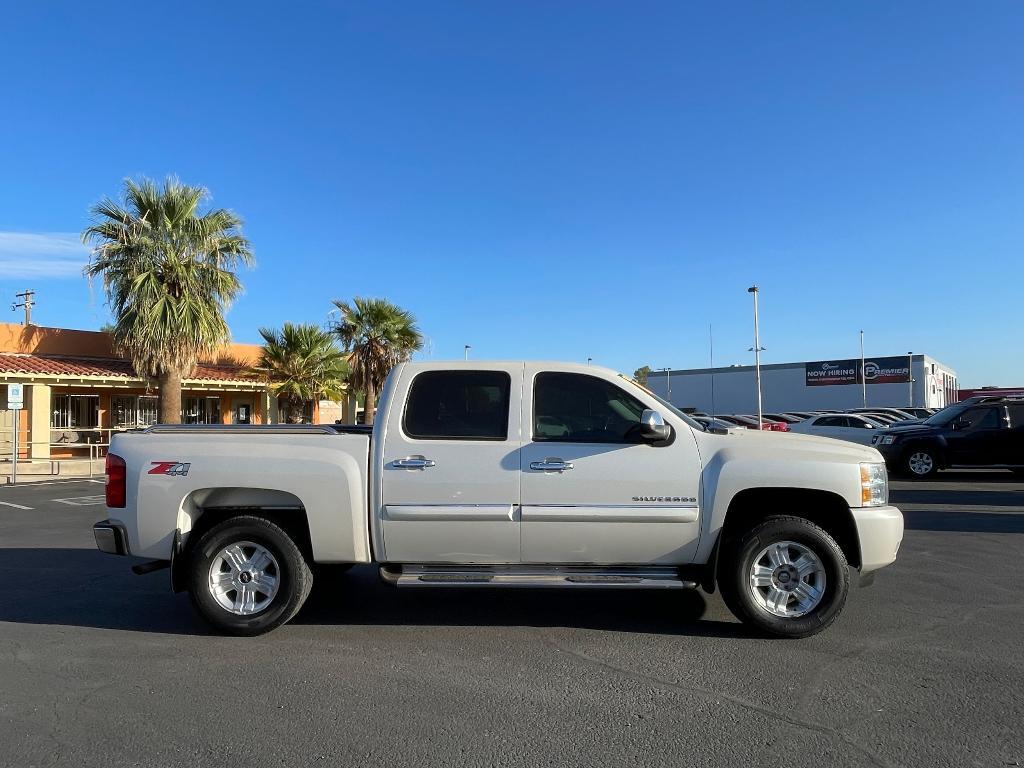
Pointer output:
x,y
592,494
450,465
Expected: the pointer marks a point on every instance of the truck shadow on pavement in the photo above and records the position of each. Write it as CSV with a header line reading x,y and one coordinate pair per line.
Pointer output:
x,y
85,588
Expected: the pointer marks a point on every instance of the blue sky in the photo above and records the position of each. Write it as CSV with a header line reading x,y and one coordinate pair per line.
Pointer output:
x,y
552,180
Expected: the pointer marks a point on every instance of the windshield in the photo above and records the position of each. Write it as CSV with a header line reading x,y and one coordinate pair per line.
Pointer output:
x,y
663,402
946,415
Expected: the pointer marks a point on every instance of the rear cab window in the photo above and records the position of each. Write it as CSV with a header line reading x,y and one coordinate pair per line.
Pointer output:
x,y
458,405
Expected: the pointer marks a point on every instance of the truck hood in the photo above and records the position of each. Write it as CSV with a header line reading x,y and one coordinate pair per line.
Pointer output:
x,y
794,445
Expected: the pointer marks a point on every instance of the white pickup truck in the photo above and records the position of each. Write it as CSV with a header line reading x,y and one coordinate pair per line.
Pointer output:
x,y
503,474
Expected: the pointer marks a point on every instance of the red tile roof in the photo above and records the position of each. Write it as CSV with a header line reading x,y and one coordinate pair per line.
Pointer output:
x,y
11,362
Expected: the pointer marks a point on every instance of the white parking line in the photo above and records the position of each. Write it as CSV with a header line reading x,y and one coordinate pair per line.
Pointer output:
x,y
43,483
16,506
82,501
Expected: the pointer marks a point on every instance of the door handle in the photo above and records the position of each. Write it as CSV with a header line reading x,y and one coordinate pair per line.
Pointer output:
x,y
412,462
551,465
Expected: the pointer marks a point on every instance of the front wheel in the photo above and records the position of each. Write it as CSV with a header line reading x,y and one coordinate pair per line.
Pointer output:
x,y
247,576
920,462
786,576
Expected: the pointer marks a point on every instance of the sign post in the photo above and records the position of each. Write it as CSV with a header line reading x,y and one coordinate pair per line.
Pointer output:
x,y
15,402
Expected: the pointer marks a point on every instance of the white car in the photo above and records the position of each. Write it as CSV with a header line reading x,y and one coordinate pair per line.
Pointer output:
x,y
841,426
516,474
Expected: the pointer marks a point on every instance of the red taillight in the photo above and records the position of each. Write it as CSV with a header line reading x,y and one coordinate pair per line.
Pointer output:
x,y
116,486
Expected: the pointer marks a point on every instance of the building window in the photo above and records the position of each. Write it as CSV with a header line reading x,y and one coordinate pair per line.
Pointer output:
x,y
134,411
75,412
201,410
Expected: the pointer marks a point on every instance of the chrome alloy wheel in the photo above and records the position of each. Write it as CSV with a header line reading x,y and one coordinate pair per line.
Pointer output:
x,y
244,578
920,463
787,579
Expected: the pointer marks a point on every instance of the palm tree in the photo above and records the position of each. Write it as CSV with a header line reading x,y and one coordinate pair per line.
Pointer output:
x,y
377,335
169,276
303,364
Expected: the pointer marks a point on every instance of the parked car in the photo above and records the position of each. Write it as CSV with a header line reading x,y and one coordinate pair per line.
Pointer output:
x,y
919,413
750,422
842,426
989,433
785,418
885,419
896,413
502,474
711,424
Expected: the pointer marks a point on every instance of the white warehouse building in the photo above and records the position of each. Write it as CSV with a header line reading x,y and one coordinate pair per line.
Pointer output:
x,y
917,380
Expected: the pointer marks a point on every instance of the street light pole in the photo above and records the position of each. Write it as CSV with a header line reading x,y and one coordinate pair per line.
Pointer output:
x,y
863,377
757,356
668,382
465,349
910,377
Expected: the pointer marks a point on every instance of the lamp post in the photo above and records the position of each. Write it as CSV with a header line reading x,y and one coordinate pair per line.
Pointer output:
x,y
910,378
863,373
668,382
757,349
465,349
589,360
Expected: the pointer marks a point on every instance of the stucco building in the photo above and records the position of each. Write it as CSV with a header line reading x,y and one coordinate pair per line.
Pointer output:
x,y
77,390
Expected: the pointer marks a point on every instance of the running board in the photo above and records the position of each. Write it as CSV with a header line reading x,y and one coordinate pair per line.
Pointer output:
x,y
533,577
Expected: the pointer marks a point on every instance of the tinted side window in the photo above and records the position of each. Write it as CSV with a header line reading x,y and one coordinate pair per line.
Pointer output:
x,y
574,407
830,421
448,405
982,418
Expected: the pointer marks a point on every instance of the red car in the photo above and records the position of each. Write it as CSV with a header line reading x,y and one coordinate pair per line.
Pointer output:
x,y
750,422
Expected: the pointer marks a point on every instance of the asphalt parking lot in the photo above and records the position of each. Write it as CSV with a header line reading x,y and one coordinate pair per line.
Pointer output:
x,y
924,668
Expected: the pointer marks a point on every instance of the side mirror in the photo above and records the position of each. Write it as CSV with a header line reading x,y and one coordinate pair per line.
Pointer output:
x,y
653,427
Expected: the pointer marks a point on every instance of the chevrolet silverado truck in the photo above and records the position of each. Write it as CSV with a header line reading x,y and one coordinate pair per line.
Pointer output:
x,y
514,474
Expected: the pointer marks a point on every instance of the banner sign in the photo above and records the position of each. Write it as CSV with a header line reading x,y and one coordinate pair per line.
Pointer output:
x,y
877,370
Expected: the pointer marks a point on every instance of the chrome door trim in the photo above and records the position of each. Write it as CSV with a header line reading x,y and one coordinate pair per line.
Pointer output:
x,y
441,512
610,514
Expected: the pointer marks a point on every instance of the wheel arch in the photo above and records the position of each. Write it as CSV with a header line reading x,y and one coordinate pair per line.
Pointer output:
x,y
828,510
205,508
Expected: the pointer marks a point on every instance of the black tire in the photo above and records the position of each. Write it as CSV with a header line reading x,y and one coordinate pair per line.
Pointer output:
x,y
292,572
737,559
920,462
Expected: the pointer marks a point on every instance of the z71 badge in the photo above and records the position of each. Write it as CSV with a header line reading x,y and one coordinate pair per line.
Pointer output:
x,y
174,468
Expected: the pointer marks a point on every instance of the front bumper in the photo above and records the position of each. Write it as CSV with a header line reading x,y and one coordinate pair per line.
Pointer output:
x,y
880,530
891,452
110,537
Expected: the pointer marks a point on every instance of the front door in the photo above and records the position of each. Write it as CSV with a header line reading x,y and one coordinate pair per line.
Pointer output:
x,y
243,412
977,433
593,494
450,482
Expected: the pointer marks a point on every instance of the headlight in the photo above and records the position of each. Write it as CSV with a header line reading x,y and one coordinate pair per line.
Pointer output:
x,y
887,440
874,485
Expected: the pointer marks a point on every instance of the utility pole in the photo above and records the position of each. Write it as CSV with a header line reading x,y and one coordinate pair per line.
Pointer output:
x,y
863,377
757,350
668,378
27,302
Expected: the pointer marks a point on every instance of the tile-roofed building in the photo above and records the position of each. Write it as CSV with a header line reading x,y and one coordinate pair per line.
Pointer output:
x,y
77,390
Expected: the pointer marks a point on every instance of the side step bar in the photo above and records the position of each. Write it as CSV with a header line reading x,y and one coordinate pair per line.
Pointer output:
x,y
533,577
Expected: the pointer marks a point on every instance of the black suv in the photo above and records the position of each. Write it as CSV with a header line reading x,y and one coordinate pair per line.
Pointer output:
x,y
978,432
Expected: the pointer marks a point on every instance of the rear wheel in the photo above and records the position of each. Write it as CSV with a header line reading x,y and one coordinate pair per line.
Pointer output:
x,y
920,462
786,576
247,576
